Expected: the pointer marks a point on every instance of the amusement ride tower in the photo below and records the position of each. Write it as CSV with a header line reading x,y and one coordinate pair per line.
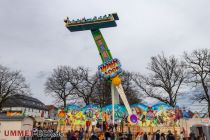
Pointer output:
x,y
111,67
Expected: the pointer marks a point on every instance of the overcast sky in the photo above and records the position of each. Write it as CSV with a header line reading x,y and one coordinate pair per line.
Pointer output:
x,y
33,37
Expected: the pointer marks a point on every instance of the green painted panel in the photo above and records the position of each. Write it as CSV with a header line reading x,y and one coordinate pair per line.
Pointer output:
x,y
101,45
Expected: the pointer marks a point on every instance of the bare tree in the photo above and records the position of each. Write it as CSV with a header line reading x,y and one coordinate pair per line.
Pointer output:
x,y
166,76
11,83
86,85
73,83
198,64
61,84
131,90
102,94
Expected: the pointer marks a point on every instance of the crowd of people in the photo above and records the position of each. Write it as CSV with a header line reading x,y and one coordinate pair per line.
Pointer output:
x,y
155,136
111,135
121,130
170,136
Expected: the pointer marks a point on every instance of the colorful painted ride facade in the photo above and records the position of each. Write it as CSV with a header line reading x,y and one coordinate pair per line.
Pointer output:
x,y
145,116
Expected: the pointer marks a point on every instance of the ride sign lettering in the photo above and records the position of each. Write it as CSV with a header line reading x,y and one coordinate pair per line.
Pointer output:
x,y
110,68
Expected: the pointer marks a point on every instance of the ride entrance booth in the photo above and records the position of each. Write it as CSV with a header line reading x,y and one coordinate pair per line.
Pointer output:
x,y
202,128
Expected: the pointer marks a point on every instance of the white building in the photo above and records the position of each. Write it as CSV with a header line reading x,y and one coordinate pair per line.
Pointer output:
x,y
26,105
16,127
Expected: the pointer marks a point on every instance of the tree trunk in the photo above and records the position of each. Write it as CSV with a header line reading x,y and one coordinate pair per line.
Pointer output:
x,y
209,109
1,104
87,100
64,103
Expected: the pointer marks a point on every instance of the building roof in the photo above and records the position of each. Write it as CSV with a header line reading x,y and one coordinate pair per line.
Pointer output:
x,y
24,101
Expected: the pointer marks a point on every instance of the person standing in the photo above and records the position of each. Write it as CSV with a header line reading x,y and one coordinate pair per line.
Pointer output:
x,y
192,136
121,125
162,136
94,136
74,135
69,135
129,128
138,136
81,134
170,136
94,122
203,136
157,135
181,136
149,136
104,126
141,136
107,135
86,135
115,126
145,136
